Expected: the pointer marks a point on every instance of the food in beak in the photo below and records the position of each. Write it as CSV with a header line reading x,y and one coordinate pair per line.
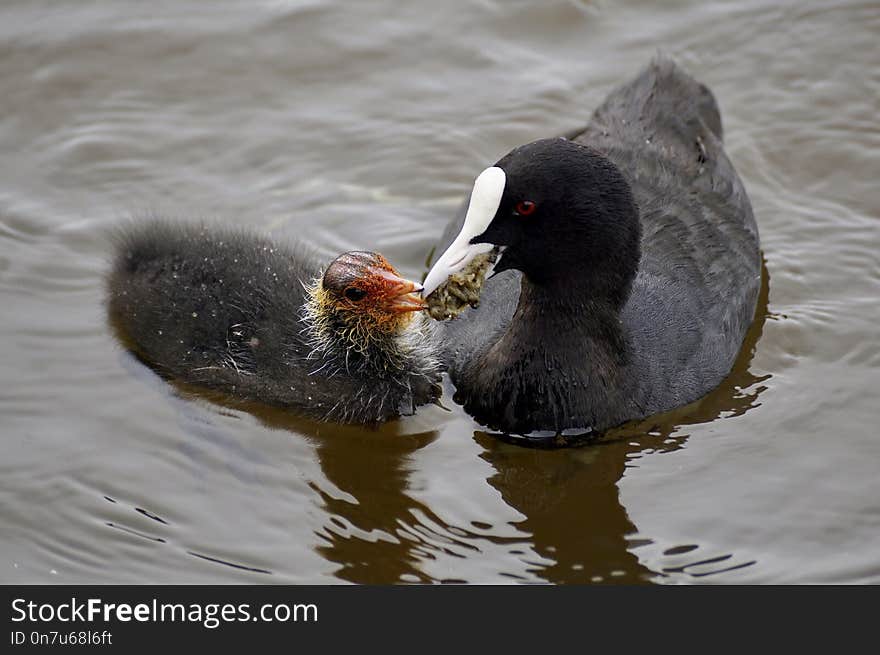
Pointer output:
x,y
462,289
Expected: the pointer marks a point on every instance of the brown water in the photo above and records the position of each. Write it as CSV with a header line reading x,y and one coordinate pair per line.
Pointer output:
x,y
361,125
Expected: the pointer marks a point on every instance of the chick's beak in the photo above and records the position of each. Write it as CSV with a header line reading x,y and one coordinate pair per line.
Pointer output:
x,y
397,294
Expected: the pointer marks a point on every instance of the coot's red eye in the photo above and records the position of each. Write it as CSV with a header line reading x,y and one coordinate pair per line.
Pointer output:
x,y
525,207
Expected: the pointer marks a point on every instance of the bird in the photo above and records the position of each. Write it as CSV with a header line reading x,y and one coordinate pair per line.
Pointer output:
x,y
627,273
231,310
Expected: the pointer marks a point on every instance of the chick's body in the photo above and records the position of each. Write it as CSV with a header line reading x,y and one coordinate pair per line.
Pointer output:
x,y
235,312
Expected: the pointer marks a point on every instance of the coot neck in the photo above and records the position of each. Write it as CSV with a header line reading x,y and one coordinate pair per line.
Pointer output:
x,y
559,365
568,317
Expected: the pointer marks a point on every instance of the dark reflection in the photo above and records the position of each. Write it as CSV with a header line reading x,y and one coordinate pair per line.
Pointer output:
x,y
372,538
376,475
570,496
373,469
570,500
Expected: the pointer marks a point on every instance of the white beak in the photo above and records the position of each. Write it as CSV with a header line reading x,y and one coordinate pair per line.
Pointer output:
x,y
485,199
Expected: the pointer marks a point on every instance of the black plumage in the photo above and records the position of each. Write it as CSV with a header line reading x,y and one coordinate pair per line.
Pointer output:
x,y
236,312
629,291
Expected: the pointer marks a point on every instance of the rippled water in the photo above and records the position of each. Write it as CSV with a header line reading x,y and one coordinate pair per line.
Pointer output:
x,y
361,125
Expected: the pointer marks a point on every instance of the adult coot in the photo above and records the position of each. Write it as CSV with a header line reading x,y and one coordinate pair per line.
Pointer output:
x,y
233,311
629,266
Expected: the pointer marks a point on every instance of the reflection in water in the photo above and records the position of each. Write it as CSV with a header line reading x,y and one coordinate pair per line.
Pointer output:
x,y
369,528
572,509
377,532
371,539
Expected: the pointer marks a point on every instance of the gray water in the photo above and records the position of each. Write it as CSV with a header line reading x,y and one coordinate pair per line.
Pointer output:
x,y
361,125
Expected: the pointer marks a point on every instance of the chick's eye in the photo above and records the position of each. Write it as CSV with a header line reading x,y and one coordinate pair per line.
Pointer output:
x,y
354,294
525,207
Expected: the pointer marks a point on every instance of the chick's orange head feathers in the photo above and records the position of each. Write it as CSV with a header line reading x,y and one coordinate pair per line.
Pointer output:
x,y
365,281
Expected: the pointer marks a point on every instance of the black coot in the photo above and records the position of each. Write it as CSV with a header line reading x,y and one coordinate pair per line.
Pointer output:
x,y
235,312
629,271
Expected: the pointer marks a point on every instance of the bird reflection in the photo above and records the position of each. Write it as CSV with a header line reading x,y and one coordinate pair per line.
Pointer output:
x,y
372,540
368,528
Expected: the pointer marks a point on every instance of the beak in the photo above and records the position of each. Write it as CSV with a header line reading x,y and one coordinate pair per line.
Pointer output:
x,y
485,200
399,295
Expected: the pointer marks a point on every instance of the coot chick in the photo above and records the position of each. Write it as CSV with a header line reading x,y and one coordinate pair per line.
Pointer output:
x,y
232,311
629,267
